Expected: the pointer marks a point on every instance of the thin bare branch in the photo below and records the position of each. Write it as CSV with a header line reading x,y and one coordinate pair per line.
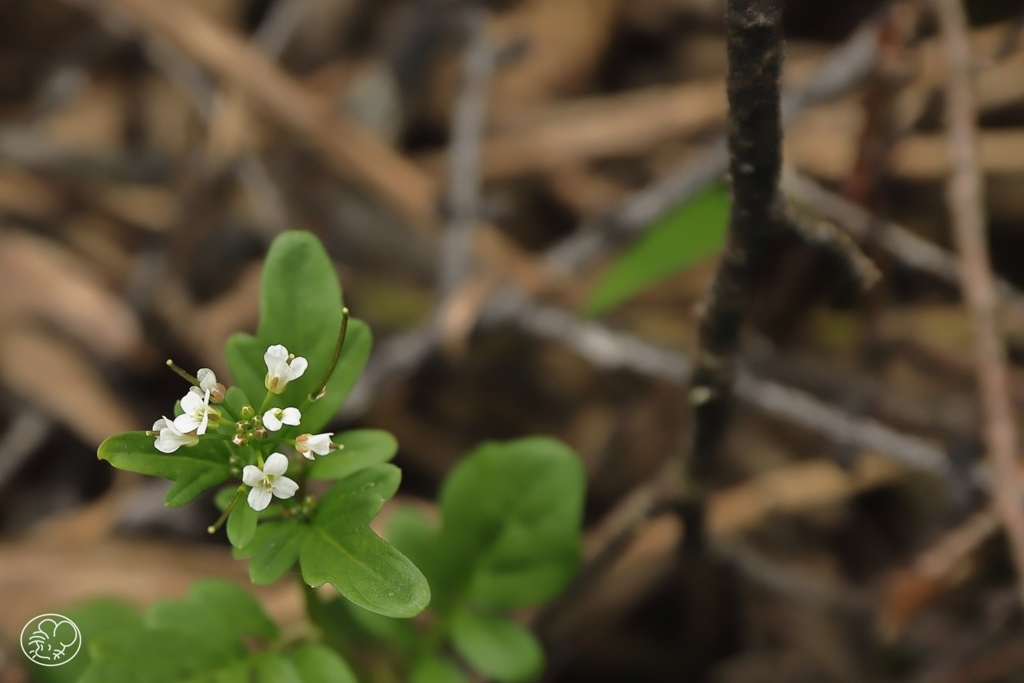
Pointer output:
x,y
845,67
965,194
344,145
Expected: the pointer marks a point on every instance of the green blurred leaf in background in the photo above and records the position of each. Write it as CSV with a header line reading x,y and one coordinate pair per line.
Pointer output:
x,y
685,236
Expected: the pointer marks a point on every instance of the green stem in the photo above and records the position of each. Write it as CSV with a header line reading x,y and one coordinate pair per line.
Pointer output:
x,y
215,436
227,511
332,365
181,373
266,403
227,409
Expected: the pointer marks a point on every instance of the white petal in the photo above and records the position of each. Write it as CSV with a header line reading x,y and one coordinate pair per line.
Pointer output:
x,y
165,444
271,420
201,429
251,475
207,379
296,368
162,423
192,401
291,416
306,453
285,487
277,463
320,443
274,356
186,423
259,498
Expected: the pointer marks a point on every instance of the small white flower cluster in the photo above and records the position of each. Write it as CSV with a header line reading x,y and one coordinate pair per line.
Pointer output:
x,y
198,415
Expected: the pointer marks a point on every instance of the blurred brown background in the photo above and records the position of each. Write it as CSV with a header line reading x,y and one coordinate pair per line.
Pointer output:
x,y
473,167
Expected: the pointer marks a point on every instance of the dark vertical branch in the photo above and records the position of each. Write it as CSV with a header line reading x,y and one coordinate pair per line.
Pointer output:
x,y
755,138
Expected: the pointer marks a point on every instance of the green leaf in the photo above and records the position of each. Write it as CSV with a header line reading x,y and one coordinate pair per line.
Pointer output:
x,y
416,537
399,633
242,523
686,235
93,618
236,399
300,307
340,548
362,447
271,667
197,639
512,515
192,469
436,669
217,612
247,615
501,649
263,531
318,664
277,552
151,656
198,620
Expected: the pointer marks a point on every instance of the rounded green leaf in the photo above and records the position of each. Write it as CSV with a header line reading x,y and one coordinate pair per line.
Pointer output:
x,y
93,618
341,549
499,648
300,307
512,515
436,669
362,448
241,607
242,524
277,551
151,655
192,469
317,663
203,622
271,667
416,537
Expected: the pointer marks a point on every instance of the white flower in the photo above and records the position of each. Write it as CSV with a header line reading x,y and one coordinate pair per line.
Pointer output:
x,y
208,382
270,481
275,418
197,413
282,368
317,443
169,438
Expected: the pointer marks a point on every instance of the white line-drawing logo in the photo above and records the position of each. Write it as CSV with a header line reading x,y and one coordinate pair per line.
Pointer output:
x,y
51,640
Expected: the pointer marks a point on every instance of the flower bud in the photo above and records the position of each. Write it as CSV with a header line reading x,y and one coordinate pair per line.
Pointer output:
x,y
247,412
218,393
260,433
239,440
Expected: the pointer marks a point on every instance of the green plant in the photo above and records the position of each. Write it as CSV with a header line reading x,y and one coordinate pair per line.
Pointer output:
x,y
690,233
218,434
508,537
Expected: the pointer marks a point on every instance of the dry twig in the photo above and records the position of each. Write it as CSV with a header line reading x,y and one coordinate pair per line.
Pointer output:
x,y
966,203
343,144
